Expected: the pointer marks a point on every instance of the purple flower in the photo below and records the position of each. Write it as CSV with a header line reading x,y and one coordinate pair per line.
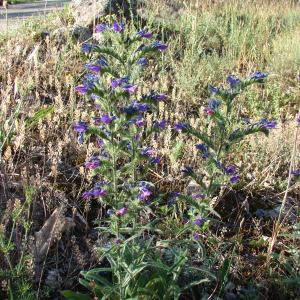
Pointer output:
x,y
101,27
122,211
268,124
185,221
142,33
102,62
93,68
139,122
298,119
106,119
87,48
233,81
137,137
147,152
214,104
118,27
230,170
198,196
159,46
131,89
182,126
199,222
81,127
208,111
176,194
155,160
80,138
187,171
296,172
110,212
81,89
89,80
298,77
97,120
93,163
119,81
234,178
116,83
202,147
100,142
156,97
143,61
136,107
98,193
144,193
258,76
117,241
160,124
212,89
196,236
87,195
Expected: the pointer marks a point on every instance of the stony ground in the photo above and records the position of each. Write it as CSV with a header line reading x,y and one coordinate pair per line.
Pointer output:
x,y
19,12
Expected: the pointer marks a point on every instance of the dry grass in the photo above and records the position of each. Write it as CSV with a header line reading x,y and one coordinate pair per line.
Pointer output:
x,y
211,40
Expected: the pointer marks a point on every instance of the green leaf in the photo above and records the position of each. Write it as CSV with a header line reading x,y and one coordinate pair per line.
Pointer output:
x,y
75,296
108,51
39,115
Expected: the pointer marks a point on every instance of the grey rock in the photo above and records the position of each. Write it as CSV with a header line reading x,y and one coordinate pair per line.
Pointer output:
x,y
87,12
59,35
54,279
81,33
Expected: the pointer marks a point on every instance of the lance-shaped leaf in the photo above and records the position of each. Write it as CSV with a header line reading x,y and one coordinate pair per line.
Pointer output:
x,y
108,51
240,133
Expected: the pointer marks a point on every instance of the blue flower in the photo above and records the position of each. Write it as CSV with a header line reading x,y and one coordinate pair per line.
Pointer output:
x,y
258,76
214,104
213,89
144,193
196,236
158,125
81,127
93,68
233,81
159,46
136,107
187,171
143,61
118,27
296,172
101,27
87,48
198,196
102,62
131,89
234,178
204,149
267,124
82,89
119,81
230,170
106,119
147,152
199,222
182,126
89,80
93,163
155,160
144,34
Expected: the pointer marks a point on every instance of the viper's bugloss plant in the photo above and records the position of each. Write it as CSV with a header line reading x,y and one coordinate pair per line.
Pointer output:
x,y
112,79
223,127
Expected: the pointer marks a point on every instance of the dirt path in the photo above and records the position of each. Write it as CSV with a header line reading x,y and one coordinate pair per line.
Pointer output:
x,y
18,12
